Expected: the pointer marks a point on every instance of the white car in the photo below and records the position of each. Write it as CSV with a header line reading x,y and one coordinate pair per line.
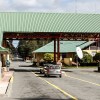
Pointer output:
x,y
53,70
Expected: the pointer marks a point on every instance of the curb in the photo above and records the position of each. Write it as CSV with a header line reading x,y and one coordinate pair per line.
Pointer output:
x,y
10,81
4,83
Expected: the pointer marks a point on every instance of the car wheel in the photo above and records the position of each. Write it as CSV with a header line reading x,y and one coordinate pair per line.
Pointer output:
x,y
40,72
45,75
60,76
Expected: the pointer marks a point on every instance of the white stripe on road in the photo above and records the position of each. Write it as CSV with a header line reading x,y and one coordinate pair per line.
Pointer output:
x,y
82,80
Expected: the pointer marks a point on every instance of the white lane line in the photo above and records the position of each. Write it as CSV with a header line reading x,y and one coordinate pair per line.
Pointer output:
x,y
82,80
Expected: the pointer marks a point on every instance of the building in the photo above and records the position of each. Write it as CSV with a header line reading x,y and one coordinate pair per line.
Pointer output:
x,y
68,49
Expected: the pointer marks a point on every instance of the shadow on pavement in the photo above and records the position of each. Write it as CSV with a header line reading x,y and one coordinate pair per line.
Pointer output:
x,y
41,99
97,71
17,60
67,71
26,66
26,70
42,75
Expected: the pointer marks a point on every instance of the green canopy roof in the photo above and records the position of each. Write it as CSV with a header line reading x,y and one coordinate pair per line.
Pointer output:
x,y
49,22
65,46
86,44
3,50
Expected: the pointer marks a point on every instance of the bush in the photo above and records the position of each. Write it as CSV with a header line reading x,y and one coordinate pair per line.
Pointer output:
x,y
96,57
87,58
48,57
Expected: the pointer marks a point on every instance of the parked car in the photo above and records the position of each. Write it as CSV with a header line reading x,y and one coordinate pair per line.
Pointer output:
x,y
52,70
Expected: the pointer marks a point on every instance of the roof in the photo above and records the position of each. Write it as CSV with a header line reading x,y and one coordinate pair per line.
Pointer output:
x,y
65,46
3,50
86,44
49,22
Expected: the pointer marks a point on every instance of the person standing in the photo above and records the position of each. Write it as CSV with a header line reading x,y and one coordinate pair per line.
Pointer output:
x,y
59,63
7,65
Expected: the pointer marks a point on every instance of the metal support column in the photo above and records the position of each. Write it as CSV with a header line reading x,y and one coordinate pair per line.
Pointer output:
x,y
54,49
58,49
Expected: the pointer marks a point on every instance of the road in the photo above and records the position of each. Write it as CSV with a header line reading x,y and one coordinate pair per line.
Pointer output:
x,y
75,84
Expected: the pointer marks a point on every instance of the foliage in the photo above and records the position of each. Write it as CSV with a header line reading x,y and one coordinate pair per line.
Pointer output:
x,y
26,47
87,58
97,56
48,56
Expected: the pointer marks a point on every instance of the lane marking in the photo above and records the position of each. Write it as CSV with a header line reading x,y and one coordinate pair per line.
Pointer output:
x,y
11,80
65,93
82,80
90,74
9,90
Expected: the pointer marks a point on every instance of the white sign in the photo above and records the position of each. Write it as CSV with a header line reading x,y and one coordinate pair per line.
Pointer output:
x,y
79,52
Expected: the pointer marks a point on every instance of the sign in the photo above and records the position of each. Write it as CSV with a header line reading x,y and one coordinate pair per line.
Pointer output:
x,y
79,52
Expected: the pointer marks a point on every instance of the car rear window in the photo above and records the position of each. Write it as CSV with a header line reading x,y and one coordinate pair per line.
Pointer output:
x,y
54,67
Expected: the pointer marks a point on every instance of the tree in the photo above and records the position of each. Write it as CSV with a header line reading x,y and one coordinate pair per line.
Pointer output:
x,y
87,58
97,57
26,47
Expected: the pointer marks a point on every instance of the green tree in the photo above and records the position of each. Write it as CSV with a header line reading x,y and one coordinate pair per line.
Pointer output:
x,y
26,47
87,58
96,57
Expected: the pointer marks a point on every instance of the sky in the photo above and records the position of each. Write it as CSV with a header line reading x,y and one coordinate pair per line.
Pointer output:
x,y
15,43
56,6
70,6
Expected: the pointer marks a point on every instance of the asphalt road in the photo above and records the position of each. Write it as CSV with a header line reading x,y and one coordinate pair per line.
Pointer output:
x,y
75,84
